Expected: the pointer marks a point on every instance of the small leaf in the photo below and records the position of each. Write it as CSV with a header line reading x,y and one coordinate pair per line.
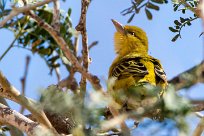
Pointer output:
x,y
158,1
188,23
201,34
183,11
182,20
176,7
148,13
131,17
69,11
175,38
138,2
192,5
152,6
172,29
177,22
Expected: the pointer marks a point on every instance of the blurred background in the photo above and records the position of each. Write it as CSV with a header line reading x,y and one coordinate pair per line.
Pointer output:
x,y
176,57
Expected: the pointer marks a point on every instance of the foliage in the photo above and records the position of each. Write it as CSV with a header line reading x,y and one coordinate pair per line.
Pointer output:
x,y
149,5
182,22
137,5
32,37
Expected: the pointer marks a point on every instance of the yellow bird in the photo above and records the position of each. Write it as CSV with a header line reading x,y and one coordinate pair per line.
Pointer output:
x,y
134,72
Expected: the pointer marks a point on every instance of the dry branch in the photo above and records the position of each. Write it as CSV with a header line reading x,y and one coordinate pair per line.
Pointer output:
x,y
189,78
94,80
85,53
199,129
15,11
23,80
56,15
10,92
11,117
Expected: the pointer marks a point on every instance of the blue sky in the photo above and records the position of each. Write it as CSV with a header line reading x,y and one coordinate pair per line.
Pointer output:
x,y
176,57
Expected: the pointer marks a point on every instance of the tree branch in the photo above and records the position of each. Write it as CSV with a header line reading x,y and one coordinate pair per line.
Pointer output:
x,y
85,53
199,129
11,117
10,92
189,78
56,15
94,80
15,11
23,80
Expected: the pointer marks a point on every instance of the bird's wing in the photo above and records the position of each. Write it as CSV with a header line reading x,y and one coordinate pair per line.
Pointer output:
x,y
129,67
159,71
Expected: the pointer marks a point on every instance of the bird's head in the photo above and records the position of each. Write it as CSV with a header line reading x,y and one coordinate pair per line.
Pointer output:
x,y
129,39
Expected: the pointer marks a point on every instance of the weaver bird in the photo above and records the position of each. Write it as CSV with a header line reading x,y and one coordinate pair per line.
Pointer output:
x,y
133,71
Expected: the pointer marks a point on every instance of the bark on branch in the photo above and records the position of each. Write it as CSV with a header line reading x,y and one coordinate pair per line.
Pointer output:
x,y
11,117
189,78
10,92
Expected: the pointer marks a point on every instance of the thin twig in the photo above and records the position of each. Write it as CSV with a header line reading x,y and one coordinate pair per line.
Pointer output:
x,y
23,81
92,45
56,15
94,80
15,11
85,54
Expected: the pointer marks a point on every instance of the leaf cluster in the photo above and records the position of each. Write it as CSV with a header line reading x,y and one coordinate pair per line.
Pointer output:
x,y
182,22
137,5
31,36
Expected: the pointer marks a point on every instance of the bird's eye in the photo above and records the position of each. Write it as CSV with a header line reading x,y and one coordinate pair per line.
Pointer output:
x,y
132,33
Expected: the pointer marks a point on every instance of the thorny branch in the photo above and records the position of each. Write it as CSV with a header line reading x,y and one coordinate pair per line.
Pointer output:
x,y
85,54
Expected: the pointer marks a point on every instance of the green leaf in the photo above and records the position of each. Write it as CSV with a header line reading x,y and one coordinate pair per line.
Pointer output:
x,y
176,7
131,17
175,38
182,20
173,30
177,22
188,23
191,3
138,2
148,13
183,11
69,11
152,6
158,1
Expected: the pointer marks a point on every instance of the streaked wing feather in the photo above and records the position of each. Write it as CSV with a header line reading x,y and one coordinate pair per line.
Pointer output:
x,y
129,67
159,71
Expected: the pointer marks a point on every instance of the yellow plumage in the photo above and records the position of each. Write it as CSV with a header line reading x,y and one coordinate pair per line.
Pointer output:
x,y
133,68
